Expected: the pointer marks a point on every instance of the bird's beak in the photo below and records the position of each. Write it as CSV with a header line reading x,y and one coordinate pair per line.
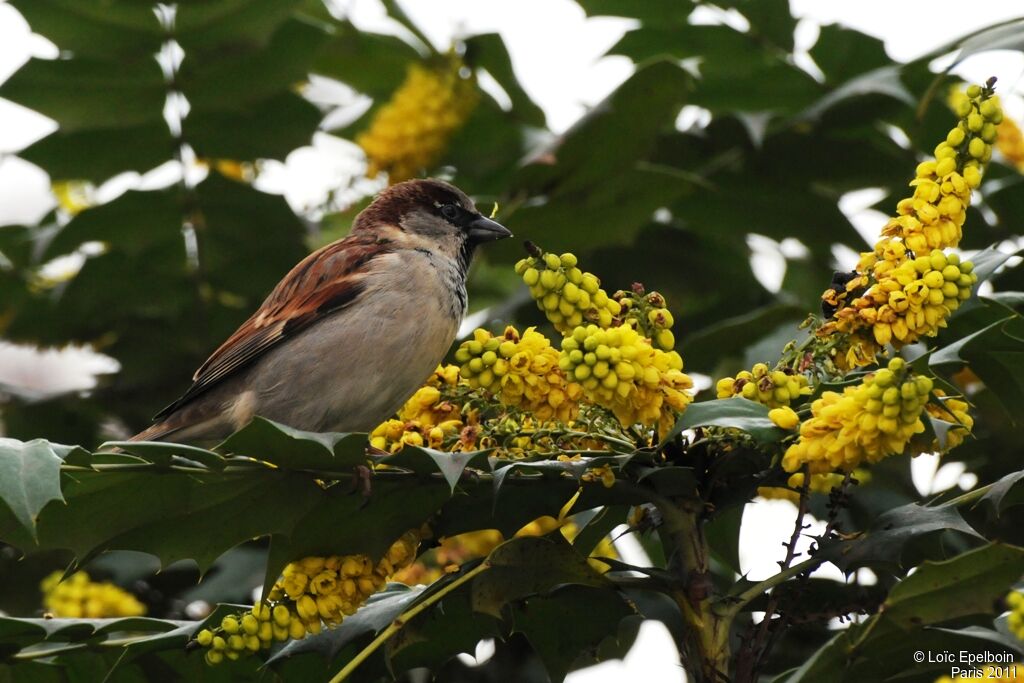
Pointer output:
x,y
485,230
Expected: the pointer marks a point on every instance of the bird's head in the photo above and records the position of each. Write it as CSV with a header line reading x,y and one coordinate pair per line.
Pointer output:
x,y
430,214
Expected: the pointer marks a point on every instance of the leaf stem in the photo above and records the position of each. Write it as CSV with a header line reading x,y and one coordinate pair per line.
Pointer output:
x,y
404,619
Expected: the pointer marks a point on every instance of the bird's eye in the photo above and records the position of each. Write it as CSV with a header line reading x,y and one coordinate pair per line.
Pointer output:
x,y
449,211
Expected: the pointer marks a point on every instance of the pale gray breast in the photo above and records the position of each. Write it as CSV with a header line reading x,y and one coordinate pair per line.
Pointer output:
x,y
359,365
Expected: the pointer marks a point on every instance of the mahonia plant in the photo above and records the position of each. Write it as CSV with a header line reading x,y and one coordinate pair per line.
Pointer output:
x,y
411,131
312,593
907,287
78,596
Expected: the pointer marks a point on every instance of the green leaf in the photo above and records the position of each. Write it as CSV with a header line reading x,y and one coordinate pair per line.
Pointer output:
x,y
487,51
1005,493
968,584
270,128
95,28
1004,36
98,154
603,626
372,63
378,613
988,260
240,79
729,337
737,71
882,81
166,453
428,460
29,479
652,12
83,94
212,28
297,449
527,566
594,150
734,413
842,53
440,633
769,19
882,545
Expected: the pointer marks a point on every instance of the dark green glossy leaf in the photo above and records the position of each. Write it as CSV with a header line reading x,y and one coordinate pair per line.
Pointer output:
x,y
223,26
488,51
29,479
98,154
84,94
96,28
882,545
372,63
242,78
938,592
297,449
603,626
734,413
527,566
428,460
653,12
843,52
378,612
270,128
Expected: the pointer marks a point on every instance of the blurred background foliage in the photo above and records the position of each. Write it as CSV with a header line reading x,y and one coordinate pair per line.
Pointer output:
x,y
717,135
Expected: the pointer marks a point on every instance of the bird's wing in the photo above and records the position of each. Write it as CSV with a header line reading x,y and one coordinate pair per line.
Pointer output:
x,y
323,283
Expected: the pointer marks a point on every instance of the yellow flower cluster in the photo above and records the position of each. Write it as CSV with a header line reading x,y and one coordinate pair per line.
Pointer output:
x,y
454,551
79,597
911,297
646,312
311,593
1015,621
907,286
933,216
410,132
773,388
568,296
521,371
865,423
620,370
1010,143
428,418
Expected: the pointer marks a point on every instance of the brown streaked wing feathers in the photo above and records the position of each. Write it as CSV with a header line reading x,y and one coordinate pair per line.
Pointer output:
x,y
330,278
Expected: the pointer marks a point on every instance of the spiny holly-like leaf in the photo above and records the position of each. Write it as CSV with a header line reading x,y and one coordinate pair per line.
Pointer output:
x,y
528,566
736,413
165,453
378,612
882,545
1005,493
968,584
29,479
428,460
577,626
297,449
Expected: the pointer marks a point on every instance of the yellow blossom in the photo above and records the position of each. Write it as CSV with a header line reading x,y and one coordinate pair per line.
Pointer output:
x,y
411,131
864,424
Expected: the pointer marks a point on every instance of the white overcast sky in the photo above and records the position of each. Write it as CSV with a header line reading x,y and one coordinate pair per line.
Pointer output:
x,y
557,55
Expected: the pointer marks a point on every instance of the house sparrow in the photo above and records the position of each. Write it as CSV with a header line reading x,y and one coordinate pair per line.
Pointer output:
x,y
352,331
